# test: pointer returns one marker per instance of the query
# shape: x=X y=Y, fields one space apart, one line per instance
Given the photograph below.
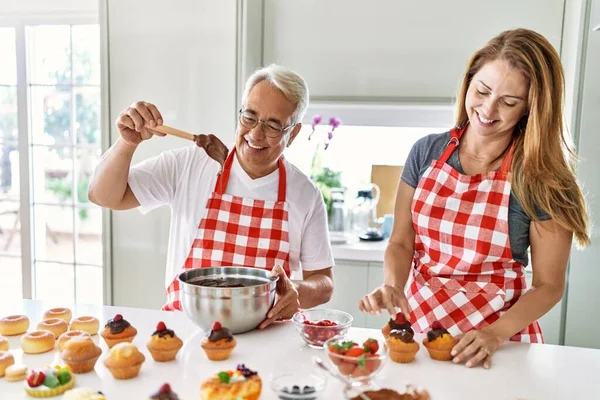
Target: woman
x=473 y=200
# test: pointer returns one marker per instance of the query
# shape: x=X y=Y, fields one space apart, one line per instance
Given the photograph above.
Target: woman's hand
x=475 y=347
x=384 y=297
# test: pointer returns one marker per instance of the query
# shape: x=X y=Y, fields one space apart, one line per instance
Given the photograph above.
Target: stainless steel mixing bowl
x=241 y=309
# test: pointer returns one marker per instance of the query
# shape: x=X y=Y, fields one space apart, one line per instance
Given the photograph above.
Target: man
x=277 y=197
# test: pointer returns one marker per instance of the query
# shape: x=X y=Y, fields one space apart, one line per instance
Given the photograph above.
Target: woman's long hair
x=543 y=164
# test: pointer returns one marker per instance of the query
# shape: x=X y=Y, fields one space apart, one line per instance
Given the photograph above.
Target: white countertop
x=520 y=371
x=358 y=250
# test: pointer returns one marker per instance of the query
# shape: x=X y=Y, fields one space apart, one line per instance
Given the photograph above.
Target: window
x=61 y=134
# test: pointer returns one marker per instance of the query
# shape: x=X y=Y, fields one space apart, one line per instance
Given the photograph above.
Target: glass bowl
x=298 y=385
x=315 y=326
x=347 y=355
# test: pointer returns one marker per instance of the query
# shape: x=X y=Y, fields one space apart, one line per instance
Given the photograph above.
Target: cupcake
x=439 y=342
x=49 y=382
x=84 y=393
x=218 y=343
x=118 y=330
x=164 y=343
x=242 y=383
x=124 y=361
x=397 y=323
x=164 y=393
x=402 y=345
x=80 y=354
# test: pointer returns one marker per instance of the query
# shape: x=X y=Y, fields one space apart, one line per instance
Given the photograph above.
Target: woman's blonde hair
x=543 y=164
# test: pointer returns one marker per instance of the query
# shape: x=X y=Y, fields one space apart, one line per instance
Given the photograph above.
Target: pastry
x=398 y=323
x=164 y=343
x=6 y=360
x=4 y=345
x=15 y=373
x=118 y=330
x=14 y=325
x=37 y=342
x=80 y=354
x=124 y=361
x=439 y=342
x=403 y=347
x=226 y=385
x=62 y=339
x=164 y=393
x=61 y=313
x=49 y=382
x=55 y=325
x=86 y=324
x=218 y=342
x=84 y=393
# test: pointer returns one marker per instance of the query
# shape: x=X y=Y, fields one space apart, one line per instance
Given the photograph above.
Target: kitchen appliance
x=241 y=309
x=364 y=211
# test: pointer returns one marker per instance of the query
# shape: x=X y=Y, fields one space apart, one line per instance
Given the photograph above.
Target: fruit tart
x=164 y=343
x=439 y=342
x=218 y=342
x=49 y=382
x=243 y=383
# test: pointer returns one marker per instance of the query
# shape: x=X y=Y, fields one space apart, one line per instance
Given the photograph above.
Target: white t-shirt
x=185 y=178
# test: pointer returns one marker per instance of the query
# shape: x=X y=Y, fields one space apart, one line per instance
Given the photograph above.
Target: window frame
x=26 y=204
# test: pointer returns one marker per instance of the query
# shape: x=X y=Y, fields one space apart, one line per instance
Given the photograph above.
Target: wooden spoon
x=167 y=130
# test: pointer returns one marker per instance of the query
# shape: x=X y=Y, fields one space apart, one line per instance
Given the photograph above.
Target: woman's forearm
x=536 y=302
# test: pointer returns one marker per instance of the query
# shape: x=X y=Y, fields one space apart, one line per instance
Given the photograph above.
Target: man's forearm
x=109 y=181
x=314 y=290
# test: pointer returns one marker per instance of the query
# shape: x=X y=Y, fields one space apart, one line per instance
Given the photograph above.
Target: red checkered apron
x=237 y=231
x=464 y=274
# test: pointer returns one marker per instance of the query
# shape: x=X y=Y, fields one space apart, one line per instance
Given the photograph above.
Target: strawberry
x=371 y=346
x=216 y=326
x=118 y=317
x=35 y=378
x=161 y=327
x=165 y=388
x=400 y=318
x=436 y=325
x=355 y=352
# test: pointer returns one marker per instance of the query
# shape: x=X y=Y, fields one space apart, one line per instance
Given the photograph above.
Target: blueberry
x=296 y=389
x=308 y=390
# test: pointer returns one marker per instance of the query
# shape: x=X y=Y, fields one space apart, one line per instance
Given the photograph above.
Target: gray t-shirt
x=431 y=148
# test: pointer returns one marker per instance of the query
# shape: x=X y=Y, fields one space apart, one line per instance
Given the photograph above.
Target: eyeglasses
x=271 y=129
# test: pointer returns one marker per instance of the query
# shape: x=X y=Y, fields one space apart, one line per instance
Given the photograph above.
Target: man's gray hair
x=290 y=83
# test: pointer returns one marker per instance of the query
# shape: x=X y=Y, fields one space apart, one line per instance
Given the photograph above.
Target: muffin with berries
x=439 y=342
x=398 y=323
x=218 y=342
x=118 y=330
x=164 y=344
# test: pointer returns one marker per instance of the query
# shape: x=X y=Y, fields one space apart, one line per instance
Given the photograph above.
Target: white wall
x=30 y=9
x=583 y=311
x=183 y=59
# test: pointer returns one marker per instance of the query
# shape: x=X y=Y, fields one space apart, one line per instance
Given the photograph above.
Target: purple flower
x=326 y=146
x=334 y=122
x=316 y=120
x=330 y=135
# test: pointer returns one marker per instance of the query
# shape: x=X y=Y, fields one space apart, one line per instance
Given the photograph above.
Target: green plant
x=63 y=189
x=326 y=180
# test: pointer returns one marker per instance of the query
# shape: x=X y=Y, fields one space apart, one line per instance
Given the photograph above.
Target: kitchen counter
x=520 y=371
x=358 y=250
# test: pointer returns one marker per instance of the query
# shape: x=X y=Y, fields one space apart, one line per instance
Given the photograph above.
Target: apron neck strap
x=223 y=177
x=456 y=134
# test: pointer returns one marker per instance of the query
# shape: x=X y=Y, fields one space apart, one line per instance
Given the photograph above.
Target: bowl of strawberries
x=358 y=359
x=317 y=325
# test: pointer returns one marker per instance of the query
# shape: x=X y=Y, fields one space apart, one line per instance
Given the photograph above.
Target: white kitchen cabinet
x=389 y=49
x=350 y=280
x=376 y=280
